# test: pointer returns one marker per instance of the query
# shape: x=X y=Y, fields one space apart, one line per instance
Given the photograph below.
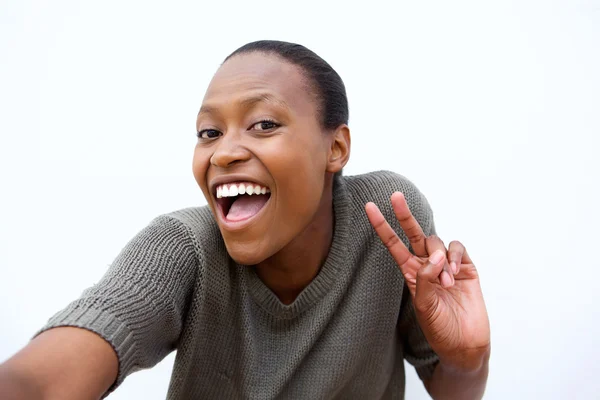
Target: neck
x=291 y=269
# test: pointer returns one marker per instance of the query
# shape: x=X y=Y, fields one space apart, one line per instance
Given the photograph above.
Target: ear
x=340 y=149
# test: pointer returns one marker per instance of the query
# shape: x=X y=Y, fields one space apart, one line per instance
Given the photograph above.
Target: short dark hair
x=329 y=87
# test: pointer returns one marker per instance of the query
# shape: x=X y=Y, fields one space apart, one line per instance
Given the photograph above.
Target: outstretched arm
x=61 y=363
x=137 y=310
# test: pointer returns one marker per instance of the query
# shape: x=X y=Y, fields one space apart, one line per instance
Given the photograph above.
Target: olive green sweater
x=174 y=287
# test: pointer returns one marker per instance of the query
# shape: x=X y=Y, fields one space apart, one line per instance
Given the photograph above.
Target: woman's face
x=258 y=127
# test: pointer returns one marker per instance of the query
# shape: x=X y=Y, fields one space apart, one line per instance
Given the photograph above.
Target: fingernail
x=453 y=266
x=436 y=257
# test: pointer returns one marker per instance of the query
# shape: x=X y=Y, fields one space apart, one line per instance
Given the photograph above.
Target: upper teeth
x=235 y=189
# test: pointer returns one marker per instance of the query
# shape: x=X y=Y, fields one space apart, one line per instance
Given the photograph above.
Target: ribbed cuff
x=106 y=326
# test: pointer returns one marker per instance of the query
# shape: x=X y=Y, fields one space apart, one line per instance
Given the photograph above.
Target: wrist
x=469 y=362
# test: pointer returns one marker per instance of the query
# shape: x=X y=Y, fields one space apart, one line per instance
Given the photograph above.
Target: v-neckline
x=329 y=272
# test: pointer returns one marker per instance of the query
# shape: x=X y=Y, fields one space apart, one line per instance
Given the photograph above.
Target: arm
x=448 y=303
x=450 y=383
x=132 y=318
x=62 y=363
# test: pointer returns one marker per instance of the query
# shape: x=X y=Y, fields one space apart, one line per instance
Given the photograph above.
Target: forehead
x=248 y=75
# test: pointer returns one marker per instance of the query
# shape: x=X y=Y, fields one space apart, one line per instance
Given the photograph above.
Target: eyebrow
x=249 y=102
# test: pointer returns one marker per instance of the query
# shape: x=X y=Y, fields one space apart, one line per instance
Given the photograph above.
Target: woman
x=279 y=288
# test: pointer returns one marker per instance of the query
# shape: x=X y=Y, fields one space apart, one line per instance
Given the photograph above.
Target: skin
x=443 y=282
x=448 y=301
x=60 y=364
x=233 y=141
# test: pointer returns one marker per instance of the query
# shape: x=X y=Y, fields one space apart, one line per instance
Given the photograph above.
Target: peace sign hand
x=444 y=285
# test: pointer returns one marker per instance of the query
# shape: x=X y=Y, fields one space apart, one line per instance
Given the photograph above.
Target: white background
x=491 y=108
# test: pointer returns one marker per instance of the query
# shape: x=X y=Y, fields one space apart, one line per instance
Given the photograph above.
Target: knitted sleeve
x=139 y=305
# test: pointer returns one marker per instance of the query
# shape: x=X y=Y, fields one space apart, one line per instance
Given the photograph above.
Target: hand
x=445 y=289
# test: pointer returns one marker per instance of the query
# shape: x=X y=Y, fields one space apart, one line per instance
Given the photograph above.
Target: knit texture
x=173 y=286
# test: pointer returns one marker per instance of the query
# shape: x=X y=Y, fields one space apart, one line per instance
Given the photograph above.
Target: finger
x=427 y=279
x=409 y=224
x=434 y=243
x=456 y=250
x=467 y=268
x=466 y=259
x=387 y=235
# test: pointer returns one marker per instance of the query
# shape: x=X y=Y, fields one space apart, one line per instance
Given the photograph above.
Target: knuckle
x=414 y=238
x=408 y=217
x=414 y=233
x=434 y=239
x=391 y=241
x=377 y=225
x=426 y=306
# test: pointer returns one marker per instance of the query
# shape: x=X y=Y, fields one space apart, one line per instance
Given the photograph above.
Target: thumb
x=428 y=277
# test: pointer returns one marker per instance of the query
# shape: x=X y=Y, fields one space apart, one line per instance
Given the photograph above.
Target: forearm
x=17 y=385
x=61 y=363
x=450 y=383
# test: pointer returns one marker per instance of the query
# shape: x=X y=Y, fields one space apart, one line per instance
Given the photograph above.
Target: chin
x=245 y=256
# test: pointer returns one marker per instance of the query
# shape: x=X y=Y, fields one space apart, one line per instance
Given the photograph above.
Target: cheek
x=302 y=153
x=300 y=179
x=200 y=163
x=310 y=158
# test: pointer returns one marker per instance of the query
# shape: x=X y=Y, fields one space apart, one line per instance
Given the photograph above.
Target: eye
x=265 y=125
x=208 y=134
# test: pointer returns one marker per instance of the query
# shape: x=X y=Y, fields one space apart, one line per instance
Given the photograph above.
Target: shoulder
x=380 y=183
x=378 y=186
x=198 y=225
x=195 y=218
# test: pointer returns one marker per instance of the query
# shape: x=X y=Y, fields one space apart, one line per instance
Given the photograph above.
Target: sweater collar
x=321 y=284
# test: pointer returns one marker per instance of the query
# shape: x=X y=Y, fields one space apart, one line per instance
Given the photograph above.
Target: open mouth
x=241 y=201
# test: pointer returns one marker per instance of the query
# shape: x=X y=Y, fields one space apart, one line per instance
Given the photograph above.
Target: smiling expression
x=258 y=127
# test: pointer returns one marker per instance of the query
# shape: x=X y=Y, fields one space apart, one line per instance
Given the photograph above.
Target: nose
x=229 y=151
